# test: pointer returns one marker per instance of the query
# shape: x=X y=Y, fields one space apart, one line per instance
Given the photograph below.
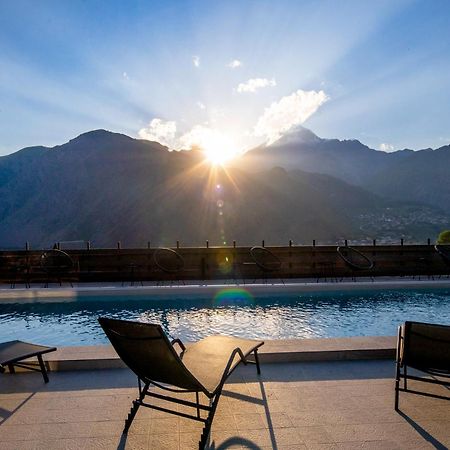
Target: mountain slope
x=105 y=187
x=418 y=176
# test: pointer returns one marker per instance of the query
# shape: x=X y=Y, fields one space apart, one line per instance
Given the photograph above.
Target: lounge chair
x=57 y=266
x=170 y=262
x=355 y=260
x=202 y=367
x=267 y=262
x=13 y=354
x=424 y=347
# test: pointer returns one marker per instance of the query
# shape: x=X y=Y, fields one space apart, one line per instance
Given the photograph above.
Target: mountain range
x=418 y=176
x=107 y=187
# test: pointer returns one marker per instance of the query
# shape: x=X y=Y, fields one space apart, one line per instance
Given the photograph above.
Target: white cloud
x=253 y=84
x=386 y=147
x=201 y=105
x=160 y=131
x=280 y=117
x=235 y=64
x=196 y=60
x=195 y=137
x=125 y=75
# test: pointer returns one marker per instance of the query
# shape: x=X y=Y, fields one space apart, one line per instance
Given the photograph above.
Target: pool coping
x=96 y=357
x=70 y=294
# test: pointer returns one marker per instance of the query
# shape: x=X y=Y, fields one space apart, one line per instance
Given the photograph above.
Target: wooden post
x=148 y=244
x=314 y=242
x=263 y=243
x=88 y=245
x=207 y=244
x=290 y=242
x=374 y=242
x=178 y=244
x=429 y=241
x=401 y=242
x=346 y=243
x=234 y=244
x=27 y=246
x=118 y=245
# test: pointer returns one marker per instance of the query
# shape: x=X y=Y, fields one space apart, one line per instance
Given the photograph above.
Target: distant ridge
x=421 y=176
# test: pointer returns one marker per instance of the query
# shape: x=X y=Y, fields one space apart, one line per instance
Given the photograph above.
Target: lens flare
x=233 y=296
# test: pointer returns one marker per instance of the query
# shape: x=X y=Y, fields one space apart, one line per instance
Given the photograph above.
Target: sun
x=218 y=147
x=219 y=150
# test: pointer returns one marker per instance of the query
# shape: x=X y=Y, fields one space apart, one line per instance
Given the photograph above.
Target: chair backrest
x=168 y=260
x=265 y=259
x=354 y=258
x=146 y=350
x=56 y=259
x=427 y=346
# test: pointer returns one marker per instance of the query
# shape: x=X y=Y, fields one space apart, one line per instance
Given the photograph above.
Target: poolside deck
x=308 y=405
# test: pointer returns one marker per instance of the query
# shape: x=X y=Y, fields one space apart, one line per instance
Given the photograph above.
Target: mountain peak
x=297 y=136
x=97 y=135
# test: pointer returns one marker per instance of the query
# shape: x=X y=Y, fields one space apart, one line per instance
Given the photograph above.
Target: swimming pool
x=270 y=315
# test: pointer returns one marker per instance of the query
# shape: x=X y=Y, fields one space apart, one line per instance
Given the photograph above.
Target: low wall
x=234 y=263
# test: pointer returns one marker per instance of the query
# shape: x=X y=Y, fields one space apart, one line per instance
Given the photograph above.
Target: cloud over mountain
x=292 y=110
x=159 y=130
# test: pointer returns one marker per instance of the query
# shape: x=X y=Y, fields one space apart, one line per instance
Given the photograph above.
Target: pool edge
x=98 y=357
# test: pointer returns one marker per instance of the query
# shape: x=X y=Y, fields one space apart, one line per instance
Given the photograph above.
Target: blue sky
x=242 y=72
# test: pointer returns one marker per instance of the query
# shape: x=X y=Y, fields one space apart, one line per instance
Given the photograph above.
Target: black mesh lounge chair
x=57 y=265
x=15 y=270
x=202 y=367
x=424 y=347
x=355 y=260
x=268 y=263
x=13 y=354
x=169 y=261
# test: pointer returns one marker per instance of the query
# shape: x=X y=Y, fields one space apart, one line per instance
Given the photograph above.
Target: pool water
x=234 y=312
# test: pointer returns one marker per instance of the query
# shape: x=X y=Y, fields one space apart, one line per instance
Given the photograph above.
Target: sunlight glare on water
x=232 y=311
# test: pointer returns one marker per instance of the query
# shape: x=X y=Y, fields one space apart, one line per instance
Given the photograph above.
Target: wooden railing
x=230 y=263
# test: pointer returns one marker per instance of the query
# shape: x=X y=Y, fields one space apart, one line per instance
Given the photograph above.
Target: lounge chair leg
x=397 y=385
x=207 y=428
x=258 y=369
x=43 y=369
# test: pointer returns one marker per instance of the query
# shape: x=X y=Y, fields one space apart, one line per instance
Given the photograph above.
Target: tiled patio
x=315 y=405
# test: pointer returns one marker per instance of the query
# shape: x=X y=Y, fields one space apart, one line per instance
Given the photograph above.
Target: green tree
x=444 y=237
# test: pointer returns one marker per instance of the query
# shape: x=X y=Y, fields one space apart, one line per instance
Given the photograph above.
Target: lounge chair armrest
x=400 y=344
x=238 y=351
x=178 y=341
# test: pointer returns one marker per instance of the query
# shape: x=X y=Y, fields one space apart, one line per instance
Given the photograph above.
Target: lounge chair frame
x=402 y=371
x=59 y=271
x=29 y=352
x=144 y=385
x=170 y=270
x=354 y=267
x=266 y=269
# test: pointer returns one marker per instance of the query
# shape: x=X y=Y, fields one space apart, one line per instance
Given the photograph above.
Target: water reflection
x=237 y=313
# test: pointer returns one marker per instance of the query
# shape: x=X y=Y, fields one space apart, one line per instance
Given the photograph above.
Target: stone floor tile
x=252 y=421
x=164 y=425
x=299 y=435
x=165 y=442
